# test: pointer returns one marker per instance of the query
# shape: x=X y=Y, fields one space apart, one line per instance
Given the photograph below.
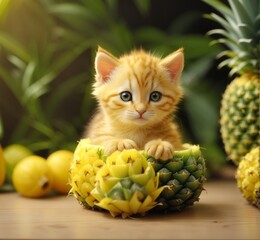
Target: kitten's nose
x=141 y=112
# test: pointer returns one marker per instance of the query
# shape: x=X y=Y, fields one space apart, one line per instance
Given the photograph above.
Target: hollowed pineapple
x=131 y=182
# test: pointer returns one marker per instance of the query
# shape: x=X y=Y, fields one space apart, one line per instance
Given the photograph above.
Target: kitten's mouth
x=140 y=119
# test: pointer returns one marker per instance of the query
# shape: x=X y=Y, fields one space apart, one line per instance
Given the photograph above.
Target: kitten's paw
x=119 y=144
x=159 y=149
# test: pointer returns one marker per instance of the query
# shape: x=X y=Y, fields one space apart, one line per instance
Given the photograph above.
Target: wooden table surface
x=222 y=213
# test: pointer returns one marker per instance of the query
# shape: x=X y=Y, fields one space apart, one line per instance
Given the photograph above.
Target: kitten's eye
x=126 y=96
x=155 y=96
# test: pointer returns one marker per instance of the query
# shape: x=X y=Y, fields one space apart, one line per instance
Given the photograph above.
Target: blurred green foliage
x=47 y=49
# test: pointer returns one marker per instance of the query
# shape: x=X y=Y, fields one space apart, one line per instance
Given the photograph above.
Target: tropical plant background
x=47 y=49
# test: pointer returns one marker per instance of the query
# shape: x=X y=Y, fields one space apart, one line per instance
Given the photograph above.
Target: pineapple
x=248 y=177
x=127 y=184
x=131 y=182
x=239 y=114
x=184 y=176
x=87 y=161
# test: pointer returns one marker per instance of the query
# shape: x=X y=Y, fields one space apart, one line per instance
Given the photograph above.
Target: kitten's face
x=138 y=91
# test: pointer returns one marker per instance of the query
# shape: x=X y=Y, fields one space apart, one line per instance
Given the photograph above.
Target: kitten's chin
x=138 y=121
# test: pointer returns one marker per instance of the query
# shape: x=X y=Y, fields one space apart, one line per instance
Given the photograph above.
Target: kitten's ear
x=105 y=63
x=174 y=63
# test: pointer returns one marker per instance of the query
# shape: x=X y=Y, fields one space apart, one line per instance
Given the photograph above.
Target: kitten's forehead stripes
x=138 y=80
x=130 y=82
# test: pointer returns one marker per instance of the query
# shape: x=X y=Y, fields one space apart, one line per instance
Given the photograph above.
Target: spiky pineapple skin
x=184 y=178
x=87 y=161
x=239 y=116
x=248 y=177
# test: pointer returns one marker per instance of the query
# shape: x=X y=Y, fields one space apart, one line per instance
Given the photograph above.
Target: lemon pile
x=34 y=176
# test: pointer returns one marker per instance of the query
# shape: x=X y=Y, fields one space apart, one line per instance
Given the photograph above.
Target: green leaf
x=240 y=13
x=221 y=7
x=150 y=34
x=70 y=9
x=216 y=156
x=73 y=14
x=21 y=129
x=14 y=46
x=196 y=71
x=43 y=129
x=252 y=7
x=4 y=4
x=247 y=31
x=257 y=22
x=97 y=8
x=65 y=90
x=28 y=75
x=229 y=43
x=38 y=88
x=112 y=6
x=17 y=62
x=183 y=23
x=223 y=33
x=69 y=56
x=225 y=24
x=237 y=68
x=119 y=39
x=202 y=116
x=40 y=145
x=71 y=36
x=224 y=63
x=10 y=83
x=143 y=6
x=194 y=45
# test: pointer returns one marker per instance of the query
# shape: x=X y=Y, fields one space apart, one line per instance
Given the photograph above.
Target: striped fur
x=139 y=123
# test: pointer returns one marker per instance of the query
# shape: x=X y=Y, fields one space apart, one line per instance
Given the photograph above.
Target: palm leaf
x=69 y=56
x=38 y=88
x=14 y=46
x=10 y=83
x=97 y=8
x=67 y=89
x=28 y=75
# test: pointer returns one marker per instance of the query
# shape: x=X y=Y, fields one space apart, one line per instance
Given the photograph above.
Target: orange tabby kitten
x=137 y=95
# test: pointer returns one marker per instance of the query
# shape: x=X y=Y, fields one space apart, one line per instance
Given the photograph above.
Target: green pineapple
x=240 y=34
x=131 y=182
x=184 y=176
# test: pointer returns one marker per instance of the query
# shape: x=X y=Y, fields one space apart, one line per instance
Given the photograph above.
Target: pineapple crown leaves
x=240 y=33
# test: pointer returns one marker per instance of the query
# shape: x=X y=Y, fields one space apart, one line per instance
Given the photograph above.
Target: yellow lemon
x=2 y=167
x=32 y=177
x=12 y=155
x=59 y=162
